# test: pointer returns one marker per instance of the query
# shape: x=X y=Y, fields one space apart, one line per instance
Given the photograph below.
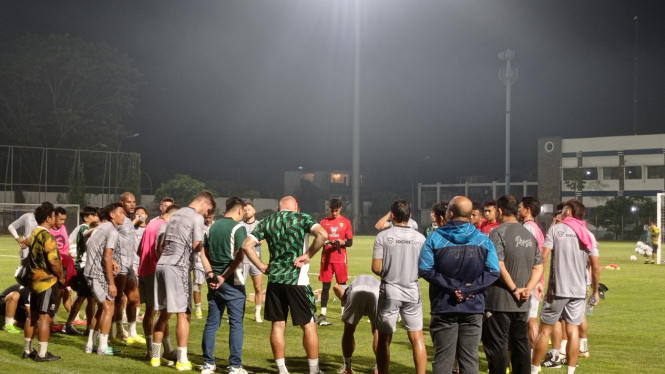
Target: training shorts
x=80 y=285
x=147 y=289
x=571 y=310
x=199 y=276
x=250 y=269
x=533 y=306
x=387 y=311
x=284 y=298
x=45 y=302
x=173 y=289
x=328 y=268
x=360 y=302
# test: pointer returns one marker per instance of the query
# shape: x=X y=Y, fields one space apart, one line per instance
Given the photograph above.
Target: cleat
x=71 y=331
x=344 y=370
x=199 y=315
x=56 y=328
x=564 y=361
x=155 y=362
x=585 y=354
x=551 y=363
x=171 y=356
x=109 y=351
x=320 y=318
x=238 y=370
x=208 y=368
x=48 y=357
x=138 y=339
x=258 y=318
x=89 y=349
x=80 y=322
x=11 y=329
x=30 y=355
x=183 y=366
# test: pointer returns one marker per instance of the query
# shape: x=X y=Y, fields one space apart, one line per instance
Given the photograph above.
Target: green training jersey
x=430 y=229
x=80 y=247
x=223 y=240
x=286 y=233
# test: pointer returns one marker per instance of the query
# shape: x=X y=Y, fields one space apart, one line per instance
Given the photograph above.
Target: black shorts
x=45 y=302
x=280 y=298
x=20 y=315
x=80 y=285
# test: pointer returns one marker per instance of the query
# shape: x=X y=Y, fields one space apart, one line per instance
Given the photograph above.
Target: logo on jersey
x=341 y=224
x=334 y=230
x=561 y=234
x=519 y=242
x=390 y=240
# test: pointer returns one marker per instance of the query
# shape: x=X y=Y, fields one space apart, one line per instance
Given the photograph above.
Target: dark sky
x=243 y=90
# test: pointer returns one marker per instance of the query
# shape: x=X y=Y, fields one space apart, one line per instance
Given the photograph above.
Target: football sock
x=571 y=369
x=132 y=329
x=167 y=344
x=281 y=366
x=103 y=342
x=9 y=321
x=347 y=363
x=534 y=369
x=323 y=311
x=43 y=348
x=564 y=345
x=27 y=346
x=156 y=350
x=198 y=307
x=182 y=355
x=313 y=365
x=555 y=354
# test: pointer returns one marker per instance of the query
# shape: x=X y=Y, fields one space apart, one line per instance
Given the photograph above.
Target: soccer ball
x=633 y=258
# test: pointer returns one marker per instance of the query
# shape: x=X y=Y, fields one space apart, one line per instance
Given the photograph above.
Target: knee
x=14 y=296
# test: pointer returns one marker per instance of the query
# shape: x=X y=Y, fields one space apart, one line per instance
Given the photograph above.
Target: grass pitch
x=625 y=333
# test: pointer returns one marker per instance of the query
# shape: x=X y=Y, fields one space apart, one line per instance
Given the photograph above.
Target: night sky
x=244 y=90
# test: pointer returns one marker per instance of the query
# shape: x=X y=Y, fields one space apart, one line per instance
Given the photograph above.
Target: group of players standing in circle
x=485 y=276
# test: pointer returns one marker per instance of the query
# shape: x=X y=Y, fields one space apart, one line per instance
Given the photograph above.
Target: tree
x=621 y=211
x=76 y=194
x=63 y=92
x=575 y=179
x=182 y=188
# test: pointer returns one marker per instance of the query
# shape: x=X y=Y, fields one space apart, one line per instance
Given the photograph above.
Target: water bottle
x=589 y=307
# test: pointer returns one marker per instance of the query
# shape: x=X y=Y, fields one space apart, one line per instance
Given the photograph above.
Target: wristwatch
x=513 y=291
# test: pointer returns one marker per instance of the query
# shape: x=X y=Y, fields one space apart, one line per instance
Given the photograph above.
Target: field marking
x=8 y=256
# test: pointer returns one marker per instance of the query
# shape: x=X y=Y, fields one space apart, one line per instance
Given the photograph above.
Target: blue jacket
x=458 y=257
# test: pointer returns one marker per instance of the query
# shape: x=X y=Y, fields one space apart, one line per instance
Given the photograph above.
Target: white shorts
x=360 y=302
x=571 y=310
x=173 y=289
x=199 y=276
x=386 y=319
x=99 y=289
x=533 y=306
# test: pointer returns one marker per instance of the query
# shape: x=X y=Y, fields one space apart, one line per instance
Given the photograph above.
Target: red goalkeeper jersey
x=338 y=229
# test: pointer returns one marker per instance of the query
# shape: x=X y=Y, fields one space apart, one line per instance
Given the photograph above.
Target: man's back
x=184 y=227
x=148 y=257
x=224 y=239
x=568 y=269
x=286 y=233
x=104 y=236
x=43 y=249
x=399 y=248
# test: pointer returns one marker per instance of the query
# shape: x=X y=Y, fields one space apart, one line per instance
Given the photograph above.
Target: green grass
x=625 y=330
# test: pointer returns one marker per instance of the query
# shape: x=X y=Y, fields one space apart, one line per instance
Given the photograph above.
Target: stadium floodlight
x=508 y=76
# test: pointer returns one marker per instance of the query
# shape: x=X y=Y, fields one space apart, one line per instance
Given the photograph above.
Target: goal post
x=660 y=210
x=10 y=212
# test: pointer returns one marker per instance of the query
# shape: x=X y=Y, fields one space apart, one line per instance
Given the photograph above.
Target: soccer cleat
x=208 y=368
x=30 y=355
x=257 y=318
x=138 y=339
x=47 y=357
x=56 y=328
x=11 y=329
x=551 y=363
x=344 y=370
x=199 y=315
x=238 y=370
x=109 y=351
x=171 y=356
x=155 y=362
x=80 y=322
x=564 y=361
x=585 y=354
x=186 y=366
x=320 y=318
x=71 y=331
x=89 y=349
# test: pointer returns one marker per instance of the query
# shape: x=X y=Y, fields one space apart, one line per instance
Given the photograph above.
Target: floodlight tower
x=355 y=164
x=508 y=76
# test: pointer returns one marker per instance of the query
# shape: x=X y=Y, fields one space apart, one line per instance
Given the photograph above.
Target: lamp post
x=413 y=175
x=508 y=76
x=355 y=140
x=117 y=158
x=149 y=180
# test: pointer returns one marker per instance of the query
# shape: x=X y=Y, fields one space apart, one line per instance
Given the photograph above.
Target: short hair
x=167 y=200
x=172 y=208
x=88 y=211
x=490 y=202
x=60 y=210
x=335 y=203
x=559 y=206
x=205 y=194
x=401 y=210
x=578 y=210
x=109 y=208
x=43 y=212
x=508 y=205
x=532 y=203
x=249 y=203
x=232 y=202
x=439 y=209
x=477 y=206
x=140 y=207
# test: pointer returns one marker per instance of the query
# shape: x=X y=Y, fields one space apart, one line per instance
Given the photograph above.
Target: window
x=612 y=173
x=307 y=177
x=633 y=172
x=339 y=178
x=656 y=172
x=589 y=174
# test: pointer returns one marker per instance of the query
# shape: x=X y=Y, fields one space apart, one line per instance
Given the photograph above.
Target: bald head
x=128 y=202
x=126 y=196
x=460 y=208
x=288 y=203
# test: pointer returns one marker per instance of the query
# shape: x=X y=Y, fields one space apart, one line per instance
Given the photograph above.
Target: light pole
x=413 y=175
x=508 y=76
x=149 y=180
x=117 y=158
x=355 y=142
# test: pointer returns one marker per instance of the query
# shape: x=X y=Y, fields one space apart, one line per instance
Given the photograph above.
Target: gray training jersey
x=412 y=224
x=104 y=236
x=399 y=248
x=197 y=264
x=568 y=267
x=126 y=243
x=183 y=228
x=28 y=223
x=257 y=248
x=517 y=248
